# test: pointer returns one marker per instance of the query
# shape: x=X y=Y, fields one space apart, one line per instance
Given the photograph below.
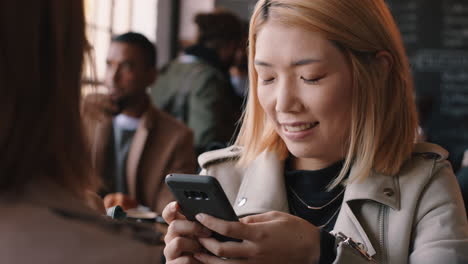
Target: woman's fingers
x=181 y=238
x=185 y=228
x=208 y=259
x=123 y=200
x=265 y=217
x=109 y=200
x=180 y=246
x=171 y=213
x=227 y=228
x=184 y=260
x=227 y=249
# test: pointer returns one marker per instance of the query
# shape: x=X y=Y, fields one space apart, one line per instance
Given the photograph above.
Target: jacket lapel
x=100 y=143
x=136 y=150
x=262 y=188
x=348 y=224
x=377 y=188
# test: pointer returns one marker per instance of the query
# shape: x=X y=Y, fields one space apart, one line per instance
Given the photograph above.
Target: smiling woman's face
x=304 y=86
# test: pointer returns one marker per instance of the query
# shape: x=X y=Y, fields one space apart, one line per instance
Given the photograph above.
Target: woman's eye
x=311 y=81
x=267 y=81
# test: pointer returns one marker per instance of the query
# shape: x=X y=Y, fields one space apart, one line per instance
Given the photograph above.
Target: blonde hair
x=383 y=114
x=41 y=60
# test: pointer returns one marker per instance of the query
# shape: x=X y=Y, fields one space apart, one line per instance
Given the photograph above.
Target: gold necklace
x=329 y=219
x=333 y=216
x=314 y=207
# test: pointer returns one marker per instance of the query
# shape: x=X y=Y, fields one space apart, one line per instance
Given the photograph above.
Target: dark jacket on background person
x=161 y=145
x=196 y=89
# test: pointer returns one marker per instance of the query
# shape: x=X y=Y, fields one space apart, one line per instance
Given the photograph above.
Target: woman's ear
x=385 y=61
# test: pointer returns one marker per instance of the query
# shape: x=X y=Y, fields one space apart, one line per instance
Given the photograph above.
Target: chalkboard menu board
x=435 y=33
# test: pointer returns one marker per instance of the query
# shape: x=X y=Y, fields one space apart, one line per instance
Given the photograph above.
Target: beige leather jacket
x=417 y=216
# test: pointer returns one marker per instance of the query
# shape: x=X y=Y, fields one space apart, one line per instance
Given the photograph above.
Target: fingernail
x=199 y=217
x=174 y=207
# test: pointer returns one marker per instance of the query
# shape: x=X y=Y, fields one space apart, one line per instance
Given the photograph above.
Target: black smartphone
x=201 y=194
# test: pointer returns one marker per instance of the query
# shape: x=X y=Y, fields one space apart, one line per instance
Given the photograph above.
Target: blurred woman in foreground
x=45 y=170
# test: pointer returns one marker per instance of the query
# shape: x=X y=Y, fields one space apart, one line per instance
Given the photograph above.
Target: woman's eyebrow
x=304 y=62
x=262 y=63
x=293 y=64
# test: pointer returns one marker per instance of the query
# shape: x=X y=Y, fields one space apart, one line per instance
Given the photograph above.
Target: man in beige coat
x=133 y=144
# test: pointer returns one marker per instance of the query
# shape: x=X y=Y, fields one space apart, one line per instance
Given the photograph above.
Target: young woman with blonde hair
x=325 y=169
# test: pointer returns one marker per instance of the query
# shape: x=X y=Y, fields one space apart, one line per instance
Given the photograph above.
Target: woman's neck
x=312 y=163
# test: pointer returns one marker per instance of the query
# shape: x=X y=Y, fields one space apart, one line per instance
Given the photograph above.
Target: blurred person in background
x=196 y=88
x=46 y=177
x=134 y=145
x=239 y=69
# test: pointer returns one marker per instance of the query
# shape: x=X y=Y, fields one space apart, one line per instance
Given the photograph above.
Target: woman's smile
x=298 y=130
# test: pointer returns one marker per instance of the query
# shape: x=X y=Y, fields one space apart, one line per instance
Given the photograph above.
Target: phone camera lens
x=195 y=195
x=204 y=196
x=188 y=195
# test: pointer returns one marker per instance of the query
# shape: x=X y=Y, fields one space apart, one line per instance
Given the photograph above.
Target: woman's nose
x=287 y=99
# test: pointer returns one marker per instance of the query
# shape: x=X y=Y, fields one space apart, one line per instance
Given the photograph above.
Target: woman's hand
x=182 y=236
x=95 y=202
x=272 y=237
x=123 y=200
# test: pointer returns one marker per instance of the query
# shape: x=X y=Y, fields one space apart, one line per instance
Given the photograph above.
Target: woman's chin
x=301 y=151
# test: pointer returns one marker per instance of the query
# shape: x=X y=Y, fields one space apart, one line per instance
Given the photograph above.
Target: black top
x=307 y=189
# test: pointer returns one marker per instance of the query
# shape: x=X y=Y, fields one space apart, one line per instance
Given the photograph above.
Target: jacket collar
x=138 y=145
x=101 y=139
x=385 y=189
x=266 y=173
x=255 y=194
x=377 y=187
x=147 y=119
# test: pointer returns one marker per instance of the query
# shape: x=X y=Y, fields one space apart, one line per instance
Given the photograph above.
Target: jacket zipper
x=383 y=214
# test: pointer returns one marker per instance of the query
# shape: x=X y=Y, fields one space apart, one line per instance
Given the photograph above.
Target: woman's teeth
x=299 y=127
